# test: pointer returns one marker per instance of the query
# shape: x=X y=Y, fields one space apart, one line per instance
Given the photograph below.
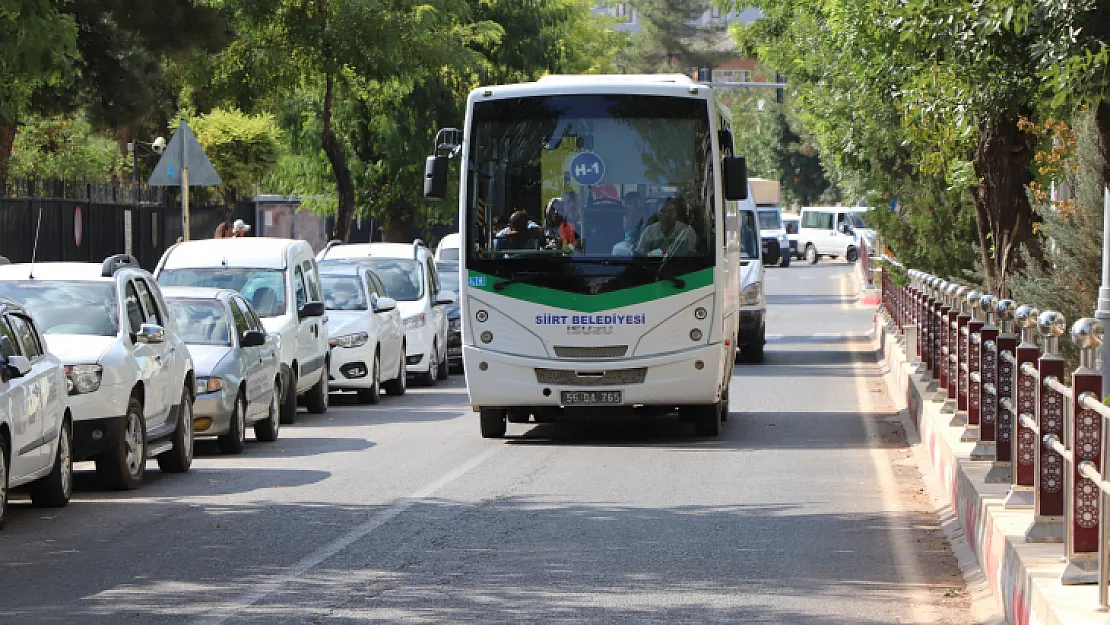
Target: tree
x=37 y=44
x=243 y=148
x=63 y=148
x=670 y=39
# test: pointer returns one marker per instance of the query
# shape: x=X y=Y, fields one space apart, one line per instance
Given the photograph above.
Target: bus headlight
x=700 y=313
x=749 y=295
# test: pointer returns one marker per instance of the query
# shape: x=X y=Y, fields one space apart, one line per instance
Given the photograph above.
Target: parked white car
x=236 y=364
x=830 y=231
x=36 y=428
x=409 y=275
x=129 y=376
x=367 y=334
x=752 y=335
x=280 y=279
x=448 y=249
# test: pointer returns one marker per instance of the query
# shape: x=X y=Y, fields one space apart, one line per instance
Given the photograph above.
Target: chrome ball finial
x=1005 y=308
x=987 y=304
x=1087 y=333
x=1026 y=316
x=973 y=298
x=1051 y=324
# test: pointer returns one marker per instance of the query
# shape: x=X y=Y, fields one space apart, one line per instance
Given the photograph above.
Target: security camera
x=159 y=145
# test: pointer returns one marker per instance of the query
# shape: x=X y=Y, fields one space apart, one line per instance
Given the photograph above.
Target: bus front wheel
x=493 y=422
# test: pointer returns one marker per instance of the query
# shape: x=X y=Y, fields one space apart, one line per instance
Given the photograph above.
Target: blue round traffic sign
x=587 y=168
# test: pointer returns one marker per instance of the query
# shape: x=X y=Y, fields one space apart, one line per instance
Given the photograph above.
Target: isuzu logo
x=589 y=330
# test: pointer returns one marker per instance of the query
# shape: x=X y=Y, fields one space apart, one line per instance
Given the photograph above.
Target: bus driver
x=668 y=236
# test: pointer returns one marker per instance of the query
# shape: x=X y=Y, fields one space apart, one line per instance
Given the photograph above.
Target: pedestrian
x=240 y=228
x=223 y=231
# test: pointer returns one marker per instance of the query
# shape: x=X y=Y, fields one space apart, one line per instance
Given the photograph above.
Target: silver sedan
x=236 y=363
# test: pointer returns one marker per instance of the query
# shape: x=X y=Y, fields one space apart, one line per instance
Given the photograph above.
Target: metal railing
x=1046 y=439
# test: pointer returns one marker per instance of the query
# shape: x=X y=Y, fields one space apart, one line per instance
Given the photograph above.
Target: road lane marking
x=261 y=590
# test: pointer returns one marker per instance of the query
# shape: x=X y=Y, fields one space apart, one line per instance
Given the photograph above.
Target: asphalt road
x=402 y=513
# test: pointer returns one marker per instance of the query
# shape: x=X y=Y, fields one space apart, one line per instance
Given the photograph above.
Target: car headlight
x=83 y=378
x=783 y=239
x=415 y=322
x=358 y=339
x=749 y=295
x=209 y=385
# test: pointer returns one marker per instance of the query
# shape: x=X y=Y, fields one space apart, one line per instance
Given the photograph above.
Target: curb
x=1023 y=578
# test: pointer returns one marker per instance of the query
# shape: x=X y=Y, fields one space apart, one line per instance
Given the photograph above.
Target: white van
x=830 y=231
x=752 y=334
x=448 y=249
x=280 y=279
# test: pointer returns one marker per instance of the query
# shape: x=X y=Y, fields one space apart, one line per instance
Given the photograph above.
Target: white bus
x=599 y=219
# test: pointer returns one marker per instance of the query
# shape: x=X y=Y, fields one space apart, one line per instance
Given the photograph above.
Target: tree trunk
x=1005 y=217
x=338 y=159
x=8 y=130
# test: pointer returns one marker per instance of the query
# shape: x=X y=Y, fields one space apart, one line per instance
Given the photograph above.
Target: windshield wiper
x=518 y=278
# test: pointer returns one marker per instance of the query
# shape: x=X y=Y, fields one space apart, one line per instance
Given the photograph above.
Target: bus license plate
x=591 y=398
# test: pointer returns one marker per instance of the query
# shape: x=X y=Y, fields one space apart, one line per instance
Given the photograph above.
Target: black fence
x=88 y=222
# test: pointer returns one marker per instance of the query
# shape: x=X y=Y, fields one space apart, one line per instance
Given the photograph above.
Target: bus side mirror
x=435 y=178
x=736 y=178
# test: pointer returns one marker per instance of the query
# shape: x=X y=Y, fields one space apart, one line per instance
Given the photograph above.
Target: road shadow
x=512 y=559
x=284 y=447
x=797 y=299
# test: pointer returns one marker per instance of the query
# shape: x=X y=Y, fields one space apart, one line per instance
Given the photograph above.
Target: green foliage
x=63 y=148
x=37 y=42
x=669 y=41
x=243 y=148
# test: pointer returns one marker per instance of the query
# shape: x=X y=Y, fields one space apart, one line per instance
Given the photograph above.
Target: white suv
x=129 y=375
x=36 y=429
x=409 y=275
x=280 y=279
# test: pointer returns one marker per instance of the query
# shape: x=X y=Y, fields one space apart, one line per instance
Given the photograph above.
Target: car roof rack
x=115 y=262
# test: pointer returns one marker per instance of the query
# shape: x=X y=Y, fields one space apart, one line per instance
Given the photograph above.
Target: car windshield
x=449 y=277
x=343 y=292
x=749 y=240
x=264 y=288
x=769 y=220
x=88 y=308
x=589 y=190
x=403 y=279
x=200 y=321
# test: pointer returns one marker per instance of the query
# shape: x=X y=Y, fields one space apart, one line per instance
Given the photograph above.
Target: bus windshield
x=590 y=186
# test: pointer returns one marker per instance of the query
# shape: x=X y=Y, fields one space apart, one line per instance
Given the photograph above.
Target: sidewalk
x=1023 y=578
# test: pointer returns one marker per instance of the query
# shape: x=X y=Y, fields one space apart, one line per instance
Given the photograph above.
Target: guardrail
x=1047 y=439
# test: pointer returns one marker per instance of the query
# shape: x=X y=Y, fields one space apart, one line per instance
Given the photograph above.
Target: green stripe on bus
x=590 y=303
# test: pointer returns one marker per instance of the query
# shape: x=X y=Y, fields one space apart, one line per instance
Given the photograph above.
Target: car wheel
x=317 y=400
x=430 y=377
x=122 y=467
x=289 y=406
x=54 y=490
x=707 y=419
x=373 y=394
x=398 y=385
x=267 y=429
x=811 y=254
x=724 y=406
x=754 y=353
x=236 y=438
x=443 y=372
x=852 y=255
x=180 y=457
x=4 y=464
x=493 y=422
x=785 y=260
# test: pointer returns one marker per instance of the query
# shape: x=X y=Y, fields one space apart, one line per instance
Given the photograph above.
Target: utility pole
x=1102 y=313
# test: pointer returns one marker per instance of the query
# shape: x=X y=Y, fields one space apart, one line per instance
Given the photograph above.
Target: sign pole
x=185 y=191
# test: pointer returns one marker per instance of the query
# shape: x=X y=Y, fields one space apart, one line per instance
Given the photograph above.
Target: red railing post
x=1025 y=403
x=1048 y=502
x=1005 y=345
x=944 y=328
x=960 y=337
x=969 y=364
x=1085 y=442
x=984 y=392
x=952 y=360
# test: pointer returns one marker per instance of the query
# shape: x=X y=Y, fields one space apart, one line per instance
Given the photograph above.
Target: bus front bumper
x=497 y=380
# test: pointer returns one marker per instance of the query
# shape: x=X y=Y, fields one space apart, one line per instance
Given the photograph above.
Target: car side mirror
x=445 y=297
x=252 y=338
x=736 y=178
x=846 y=228
x=384 y=304
x=311 y=309
x=13 y=367
x=150 y=333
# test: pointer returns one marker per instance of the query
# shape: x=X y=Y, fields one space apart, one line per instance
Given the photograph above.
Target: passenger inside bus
x=668 y=236
x=522 y=234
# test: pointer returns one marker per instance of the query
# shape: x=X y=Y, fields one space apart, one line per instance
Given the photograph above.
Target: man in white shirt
x=668 y=236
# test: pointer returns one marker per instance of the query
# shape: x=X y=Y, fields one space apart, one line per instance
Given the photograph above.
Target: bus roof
x=561 y=84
